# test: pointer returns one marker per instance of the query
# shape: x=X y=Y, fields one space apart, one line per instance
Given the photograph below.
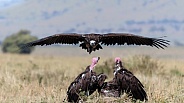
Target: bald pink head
x=94 y=62
x=117 y=59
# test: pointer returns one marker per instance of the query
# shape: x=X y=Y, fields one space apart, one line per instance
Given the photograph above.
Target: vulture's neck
x=92 y=66
x=120 y=64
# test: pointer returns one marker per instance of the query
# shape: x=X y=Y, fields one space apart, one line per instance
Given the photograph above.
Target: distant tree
x=12 y=43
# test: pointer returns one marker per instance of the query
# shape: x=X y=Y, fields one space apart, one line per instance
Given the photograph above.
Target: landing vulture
x=86 y=82
x=93 y=42
x=128 y=82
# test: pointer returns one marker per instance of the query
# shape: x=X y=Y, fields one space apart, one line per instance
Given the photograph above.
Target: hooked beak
x=98 y=59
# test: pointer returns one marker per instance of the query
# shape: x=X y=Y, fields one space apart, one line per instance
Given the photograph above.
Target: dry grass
x=45 y=75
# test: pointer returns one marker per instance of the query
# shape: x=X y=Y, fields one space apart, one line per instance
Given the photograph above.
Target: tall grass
x=34 y=78
x=160 y=85
x=142 y=64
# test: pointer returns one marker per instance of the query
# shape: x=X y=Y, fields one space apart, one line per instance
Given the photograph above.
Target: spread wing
x=71 y=38
x=131 y=39
x=131 y=85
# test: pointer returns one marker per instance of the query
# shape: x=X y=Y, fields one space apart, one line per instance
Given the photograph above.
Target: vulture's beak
x=98 y=58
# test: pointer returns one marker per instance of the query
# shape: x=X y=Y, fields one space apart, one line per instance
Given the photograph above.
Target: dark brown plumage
x=88 y=85
x=80 y=84
x=123 y=82
x=87 y=82
x=110 y=89
x=128 y=82
x=91 y=42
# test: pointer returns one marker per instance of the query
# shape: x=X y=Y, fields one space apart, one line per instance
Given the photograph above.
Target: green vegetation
x=176 y=72
x=143 y=64
x=106 y=68
x=12 y=43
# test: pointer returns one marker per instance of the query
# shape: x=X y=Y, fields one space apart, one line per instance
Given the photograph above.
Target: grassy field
x=45 y=75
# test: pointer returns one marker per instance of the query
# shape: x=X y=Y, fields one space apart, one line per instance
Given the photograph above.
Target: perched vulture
x=86 y=82
x=123 y=82
x=92 y=42
x=128 y=82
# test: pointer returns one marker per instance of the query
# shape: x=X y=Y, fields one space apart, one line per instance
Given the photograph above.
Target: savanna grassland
x=45 y=75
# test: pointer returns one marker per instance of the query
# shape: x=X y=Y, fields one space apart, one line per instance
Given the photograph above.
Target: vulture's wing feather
x=101 y=79
x=137 y=89
x=73 y=92
x=131 y=85
x=75 y=88
x=71 y=38
x=131 y=39
x=81 y=83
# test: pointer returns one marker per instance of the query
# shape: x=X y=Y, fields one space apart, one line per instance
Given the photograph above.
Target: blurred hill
x=153 y=18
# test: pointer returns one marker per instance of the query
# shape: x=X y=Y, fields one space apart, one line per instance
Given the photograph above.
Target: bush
x=176 y=72
x=12 y=43
x=106 y=68
x=143 y=64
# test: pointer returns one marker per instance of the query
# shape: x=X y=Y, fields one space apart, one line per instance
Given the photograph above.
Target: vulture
x=86 y=82
x=92 y=42
x=128 y=82
x=123 y=82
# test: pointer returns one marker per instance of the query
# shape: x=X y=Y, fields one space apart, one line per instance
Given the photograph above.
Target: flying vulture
x=128 y=82
x=86 y=82
x=92 y=42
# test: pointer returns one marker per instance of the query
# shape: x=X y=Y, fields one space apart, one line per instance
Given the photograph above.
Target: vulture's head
x=117 y=60
x=118 y=63
x=94 y=62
